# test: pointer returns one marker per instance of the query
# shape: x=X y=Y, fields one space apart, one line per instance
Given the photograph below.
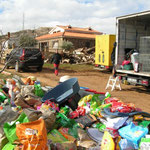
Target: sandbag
x=49 y=117
x=32 y=100
x=32 y=114
x=19 y=101
x=84 y=140
x=32 y=135
x=27 y=100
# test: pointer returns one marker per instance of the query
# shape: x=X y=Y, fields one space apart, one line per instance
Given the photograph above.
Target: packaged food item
x=144 y=144
x=65 y=110
x=133 y=133
x=138 y=117
x=68 y=145
x=125 y=144
x=65 y=133
x=107 y=142
x=80 y=111
x=84 y=100
x=86 y=120
x=32 y=135
x=145 y=123
x=56 y=137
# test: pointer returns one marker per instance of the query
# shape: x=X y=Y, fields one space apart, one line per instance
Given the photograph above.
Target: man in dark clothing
x=56 y=58
x=113 y=53
x=113 y=59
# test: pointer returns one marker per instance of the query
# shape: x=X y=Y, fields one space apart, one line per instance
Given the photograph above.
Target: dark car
x=24 y=58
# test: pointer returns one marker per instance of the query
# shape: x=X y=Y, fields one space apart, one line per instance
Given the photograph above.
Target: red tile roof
x=77 y=29
x=72 y=32
x=79 y=35
x=49 y=36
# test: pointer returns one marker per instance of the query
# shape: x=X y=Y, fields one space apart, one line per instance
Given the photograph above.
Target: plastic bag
x=107 y=142
x=62 y=120
x=68 y=145
x=2 y=96
x=8 y=146
x=10 y=128
x=126 y=145
x=145 y=144
x=65 y=110
x=84 y=100
x=84 y=140
x=32 y=135
x=133 y=133
x=144 y=123
x=95 y=101
x=64 y=132
x=56 y=137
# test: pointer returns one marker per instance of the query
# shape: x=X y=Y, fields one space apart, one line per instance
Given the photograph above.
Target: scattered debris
x=71 y=118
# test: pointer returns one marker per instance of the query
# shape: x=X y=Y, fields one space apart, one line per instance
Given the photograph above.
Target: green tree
x=67 y=45
x=27 y=41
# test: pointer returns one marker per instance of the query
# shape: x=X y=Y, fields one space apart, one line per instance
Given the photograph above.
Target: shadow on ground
x=139 y=89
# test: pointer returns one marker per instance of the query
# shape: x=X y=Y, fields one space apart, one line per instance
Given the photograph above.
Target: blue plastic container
x=64 y=92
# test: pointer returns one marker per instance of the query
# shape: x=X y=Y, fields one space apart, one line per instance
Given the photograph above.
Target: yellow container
x=103 y=49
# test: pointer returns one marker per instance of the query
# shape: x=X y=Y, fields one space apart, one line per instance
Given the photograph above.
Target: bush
x=27 y=41
x=67 y=45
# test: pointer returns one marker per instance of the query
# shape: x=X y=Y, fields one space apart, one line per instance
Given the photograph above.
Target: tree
x=27 y=41
x=67 y=45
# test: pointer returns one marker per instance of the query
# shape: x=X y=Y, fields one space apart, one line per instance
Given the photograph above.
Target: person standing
x=56 y=58
x=113 y=59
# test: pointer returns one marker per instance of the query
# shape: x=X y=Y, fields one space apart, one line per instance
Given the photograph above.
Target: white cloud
x=99 y=14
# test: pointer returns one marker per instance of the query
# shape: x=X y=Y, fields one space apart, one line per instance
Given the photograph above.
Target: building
x=80 y=37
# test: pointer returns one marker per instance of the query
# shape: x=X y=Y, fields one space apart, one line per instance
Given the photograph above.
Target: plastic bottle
x=2 y=96
x=38 y=90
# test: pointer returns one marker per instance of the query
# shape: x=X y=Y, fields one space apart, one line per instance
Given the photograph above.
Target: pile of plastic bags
x=28 y=121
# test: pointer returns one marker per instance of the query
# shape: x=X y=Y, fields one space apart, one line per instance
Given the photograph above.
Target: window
x=55 y=44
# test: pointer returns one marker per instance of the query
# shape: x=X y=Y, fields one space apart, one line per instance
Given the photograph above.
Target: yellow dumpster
x=103 y=50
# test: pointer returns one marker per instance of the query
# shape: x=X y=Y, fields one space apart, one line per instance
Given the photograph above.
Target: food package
x=133 y=133
x=32 y=135
x=107 y=142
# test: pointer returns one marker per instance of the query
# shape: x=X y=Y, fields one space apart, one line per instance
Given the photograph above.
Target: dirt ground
x=96 y=80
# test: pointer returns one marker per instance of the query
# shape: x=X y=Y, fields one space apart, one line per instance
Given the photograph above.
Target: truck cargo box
x=133 y=34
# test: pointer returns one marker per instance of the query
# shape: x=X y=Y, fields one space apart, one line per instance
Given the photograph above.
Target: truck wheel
x=7 y=67
x=39 y=68
x=17 y=66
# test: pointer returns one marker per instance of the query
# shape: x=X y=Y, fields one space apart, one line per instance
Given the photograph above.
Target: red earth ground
x=96 y=80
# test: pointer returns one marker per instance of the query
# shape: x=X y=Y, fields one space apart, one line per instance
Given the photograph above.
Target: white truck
x=133 y=33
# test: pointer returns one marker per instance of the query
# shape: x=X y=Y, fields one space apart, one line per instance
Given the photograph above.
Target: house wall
x=48 y=45
x=79 y=43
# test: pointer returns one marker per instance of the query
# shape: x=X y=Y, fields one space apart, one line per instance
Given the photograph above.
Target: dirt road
x=96 y=80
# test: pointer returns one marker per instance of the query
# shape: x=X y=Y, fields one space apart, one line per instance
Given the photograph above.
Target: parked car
x=25 y=58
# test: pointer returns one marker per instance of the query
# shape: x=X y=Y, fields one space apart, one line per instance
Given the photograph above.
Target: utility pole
x=23 y=22
x=1 y=32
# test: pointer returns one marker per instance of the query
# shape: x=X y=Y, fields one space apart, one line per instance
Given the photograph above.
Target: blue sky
x=98 y=14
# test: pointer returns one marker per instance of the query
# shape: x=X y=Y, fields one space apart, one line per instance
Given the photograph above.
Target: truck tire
x=7 y=67
x=39 y=68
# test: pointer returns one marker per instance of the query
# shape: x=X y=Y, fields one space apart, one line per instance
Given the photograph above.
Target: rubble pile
x=36 y=117
x=79 y=56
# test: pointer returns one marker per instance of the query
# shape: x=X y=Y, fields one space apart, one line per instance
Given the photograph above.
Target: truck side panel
x=130 y=29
